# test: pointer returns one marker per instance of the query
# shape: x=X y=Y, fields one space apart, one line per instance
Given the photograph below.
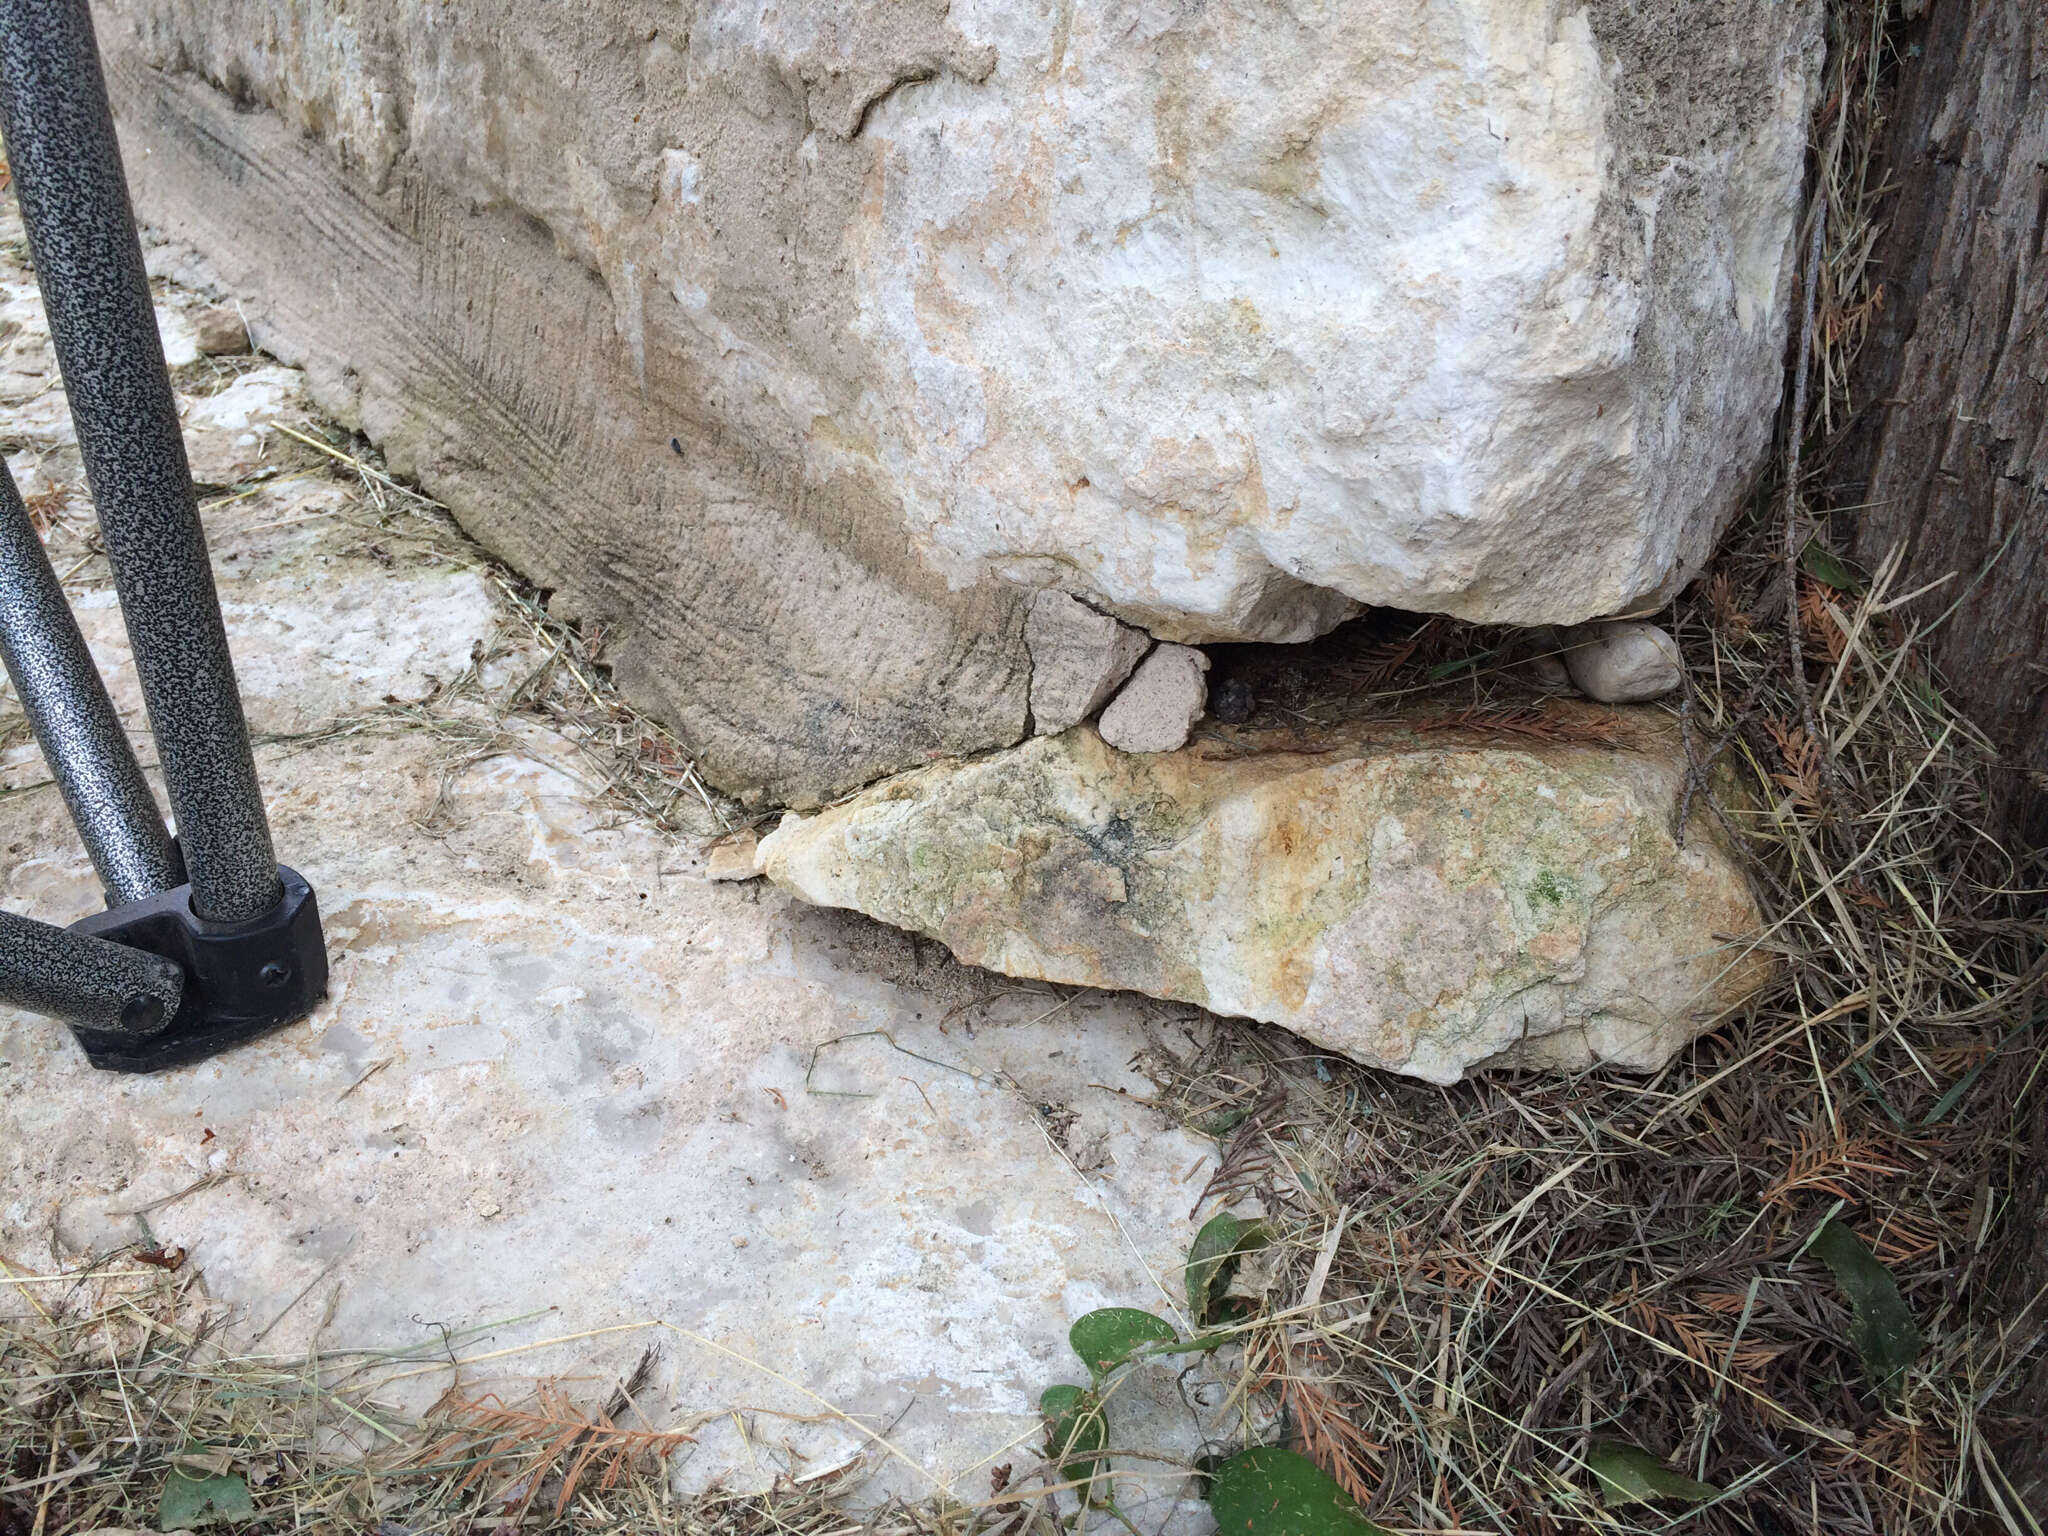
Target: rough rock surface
x=1078 y=659
x=731 y=857
x=563 y=1085
x=220 y=332
x=1623 y=662
x=1161 y=702
x=1416 y=902
x=1227 y=317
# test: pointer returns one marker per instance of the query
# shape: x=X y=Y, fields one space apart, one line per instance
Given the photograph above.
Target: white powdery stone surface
x=1248 y=315
x=566 y=1087
x=563 y=1078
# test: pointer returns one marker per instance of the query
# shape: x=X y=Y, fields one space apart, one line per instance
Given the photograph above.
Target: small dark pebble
x=1233 y=703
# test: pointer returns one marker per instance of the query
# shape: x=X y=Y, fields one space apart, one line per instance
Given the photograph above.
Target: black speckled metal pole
x=81 y=236
x=86 y=981
x=74 y=720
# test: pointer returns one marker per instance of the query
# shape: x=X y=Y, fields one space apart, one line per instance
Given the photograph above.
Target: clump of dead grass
x=119 y=1380
x=1471 y=1285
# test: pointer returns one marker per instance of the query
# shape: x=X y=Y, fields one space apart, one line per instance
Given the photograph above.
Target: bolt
x=275 y=974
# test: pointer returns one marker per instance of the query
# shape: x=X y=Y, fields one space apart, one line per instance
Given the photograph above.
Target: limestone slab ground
x=1429 y=902
x=564 y=1085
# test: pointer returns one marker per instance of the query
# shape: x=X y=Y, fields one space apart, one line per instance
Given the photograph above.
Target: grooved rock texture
x=1228 y=318
x=1417 y=902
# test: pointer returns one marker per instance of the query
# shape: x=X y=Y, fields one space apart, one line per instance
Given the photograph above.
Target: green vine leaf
x=1630 y=1475
x=1267 y=1491
x=189 y=1501
x=1212 y=1263
x=1108 y=1336
x=1824 y=565
x=1880 y=1326
x=1075 y=1434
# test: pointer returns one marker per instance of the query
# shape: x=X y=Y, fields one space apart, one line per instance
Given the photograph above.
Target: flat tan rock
x=1428 y=903
x=220 y=332
x=731 y=857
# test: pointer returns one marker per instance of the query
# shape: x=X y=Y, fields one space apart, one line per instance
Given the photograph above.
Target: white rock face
x=1228 y=317
x=1161 y=702
x=1623 y=662
x=1078 y=657
x=1246 y=317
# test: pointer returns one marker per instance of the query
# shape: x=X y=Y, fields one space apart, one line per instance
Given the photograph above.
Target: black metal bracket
x=206 y=941
x=241 y=979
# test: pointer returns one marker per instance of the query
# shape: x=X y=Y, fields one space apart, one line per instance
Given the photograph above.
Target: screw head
x=275 y=974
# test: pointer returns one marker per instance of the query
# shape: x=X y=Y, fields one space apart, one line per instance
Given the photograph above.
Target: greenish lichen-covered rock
x=1429 y=902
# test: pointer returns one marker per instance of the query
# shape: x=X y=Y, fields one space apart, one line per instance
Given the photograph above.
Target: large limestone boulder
x=784 y=339
x=1423 y=902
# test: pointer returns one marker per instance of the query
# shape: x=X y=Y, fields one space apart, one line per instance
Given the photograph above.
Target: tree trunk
x=1952 y=448
x=1952 y=452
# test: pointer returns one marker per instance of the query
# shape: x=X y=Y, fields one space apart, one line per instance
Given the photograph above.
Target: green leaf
x=1629 y=1475
x=1824 y=565
x=1075 y=1433
x=1267 y=1491
x=1108 y=1336
x=1225 y=1123
x=1221 y=1125
x=1212 y=1263
x=1880 y=1327
x=190 y=1501
x=1961 y=1086
x=1449 y=669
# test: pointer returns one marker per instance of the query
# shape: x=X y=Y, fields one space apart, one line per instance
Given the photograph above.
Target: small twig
x=374 y=1068
x=1795 y=437
x=168 y=1200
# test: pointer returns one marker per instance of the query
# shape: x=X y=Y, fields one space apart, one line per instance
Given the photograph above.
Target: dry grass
x=1473 y=1283
x=118 y=1380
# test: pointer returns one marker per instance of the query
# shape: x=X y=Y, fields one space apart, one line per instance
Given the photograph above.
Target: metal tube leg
x=74 y=720
x=81 y=235
x=85 y=981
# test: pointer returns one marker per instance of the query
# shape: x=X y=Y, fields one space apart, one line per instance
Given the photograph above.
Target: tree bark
x=1952 y=446
x=1951 y=452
